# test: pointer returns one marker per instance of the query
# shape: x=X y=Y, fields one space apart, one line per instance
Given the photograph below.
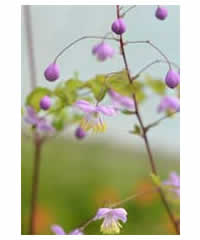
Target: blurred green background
x=77 y=177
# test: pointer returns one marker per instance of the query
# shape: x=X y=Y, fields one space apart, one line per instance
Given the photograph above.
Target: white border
x=10 y=119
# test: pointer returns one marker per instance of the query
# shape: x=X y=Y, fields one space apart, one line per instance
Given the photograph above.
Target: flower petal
x=120 y=213
x=102 y=212
x=106 y=110
x=58 y=230
x=85 y=106
x=76 y=232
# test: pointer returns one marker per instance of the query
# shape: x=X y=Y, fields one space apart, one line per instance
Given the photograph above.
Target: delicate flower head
x=40 y=123
x=103 y=51
x=119 y=100
x=80 y=133
x=52 y=72
x=169 y=103
x=92 y=119
x=45 y=103
x=161 y=13
x=173 y=181
x=172 y=79
x=111 y=218
x=119 y=26
x=58 y=230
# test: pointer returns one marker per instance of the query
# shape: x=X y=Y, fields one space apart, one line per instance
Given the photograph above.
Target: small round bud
x=172 y=79
x=119 y=26
x=45 y=103
x=80 y=133
x=161 y=13
x=103 y=51
x=52 y=72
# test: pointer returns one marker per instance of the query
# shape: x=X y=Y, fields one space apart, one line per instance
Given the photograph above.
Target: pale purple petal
x=106 y=110
x=102 y=212
x=85 y=106
x=76 y=232
x=124 y=101
x=169 y=103
x=31 y=116
x=120 y=213
x=57 y=230
x=174 y=181
x=43 y=125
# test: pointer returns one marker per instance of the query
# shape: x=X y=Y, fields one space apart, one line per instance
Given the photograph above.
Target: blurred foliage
x=77 y=177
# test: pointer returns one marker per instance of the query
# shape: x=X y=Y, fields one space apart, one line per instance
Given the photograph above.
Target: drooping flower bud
x=119 y=26
x=161 y=13
x=52 y=72
x=45 y=103
x=103 y=51
x=172 y=79
x=80 y=133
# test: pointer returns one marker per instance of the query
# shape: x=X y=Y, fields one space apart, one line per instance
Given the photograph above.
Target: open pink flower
x=169 y=103
x=174 y=182
x=40 y=123
x=111 y=218
x=92 y=119
x=58 y=230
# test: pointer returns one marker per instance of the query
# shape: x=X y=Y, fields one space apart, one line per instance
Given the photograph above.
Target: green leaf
x=98 y=86
x=33 y=99
x=127 y=112
x=60 y=120
x=137 y=130
x=156 y=85
x=67 y=91
x=119 y=82
x=155 y=179
x=73 y=84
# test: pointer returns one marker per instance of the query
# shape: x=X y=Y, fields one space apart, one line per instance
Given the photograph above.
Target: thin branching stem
x=80 y=39
x=148 y=148
x=153 y=63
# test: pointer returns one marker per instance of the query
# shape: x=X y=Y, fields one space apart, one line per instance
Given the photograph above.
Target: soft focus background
x=78 y=177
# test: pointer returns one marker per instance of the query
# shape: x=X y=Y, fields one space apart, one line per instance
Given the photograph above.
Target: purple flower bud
x=52 y=72
x=119 y=26
x=172 y=79
x=80 y=133
x=103 y=51
x=45 y=103
x=161 y=13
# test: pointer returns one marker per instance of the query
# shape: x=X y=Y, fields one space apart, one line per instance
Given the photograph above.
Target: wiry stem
x=152 y=163
x=153 y=63
x=35 y=183
x=80 y=39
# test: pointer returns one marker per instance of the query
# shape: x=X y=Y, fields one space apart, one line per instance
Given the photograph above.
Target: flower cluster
x=37 y=122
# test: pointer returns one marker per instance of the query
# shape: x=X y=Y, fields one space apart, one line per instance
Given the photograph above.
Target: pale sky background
x=56 y=26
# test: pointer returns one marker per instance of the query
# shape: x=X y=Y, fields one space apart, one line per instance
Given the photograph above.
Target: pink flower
x=111 y=218
x=58 y=230
x=174 y=182
x=40 y=123
x=169 y=103
x=92 y=119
